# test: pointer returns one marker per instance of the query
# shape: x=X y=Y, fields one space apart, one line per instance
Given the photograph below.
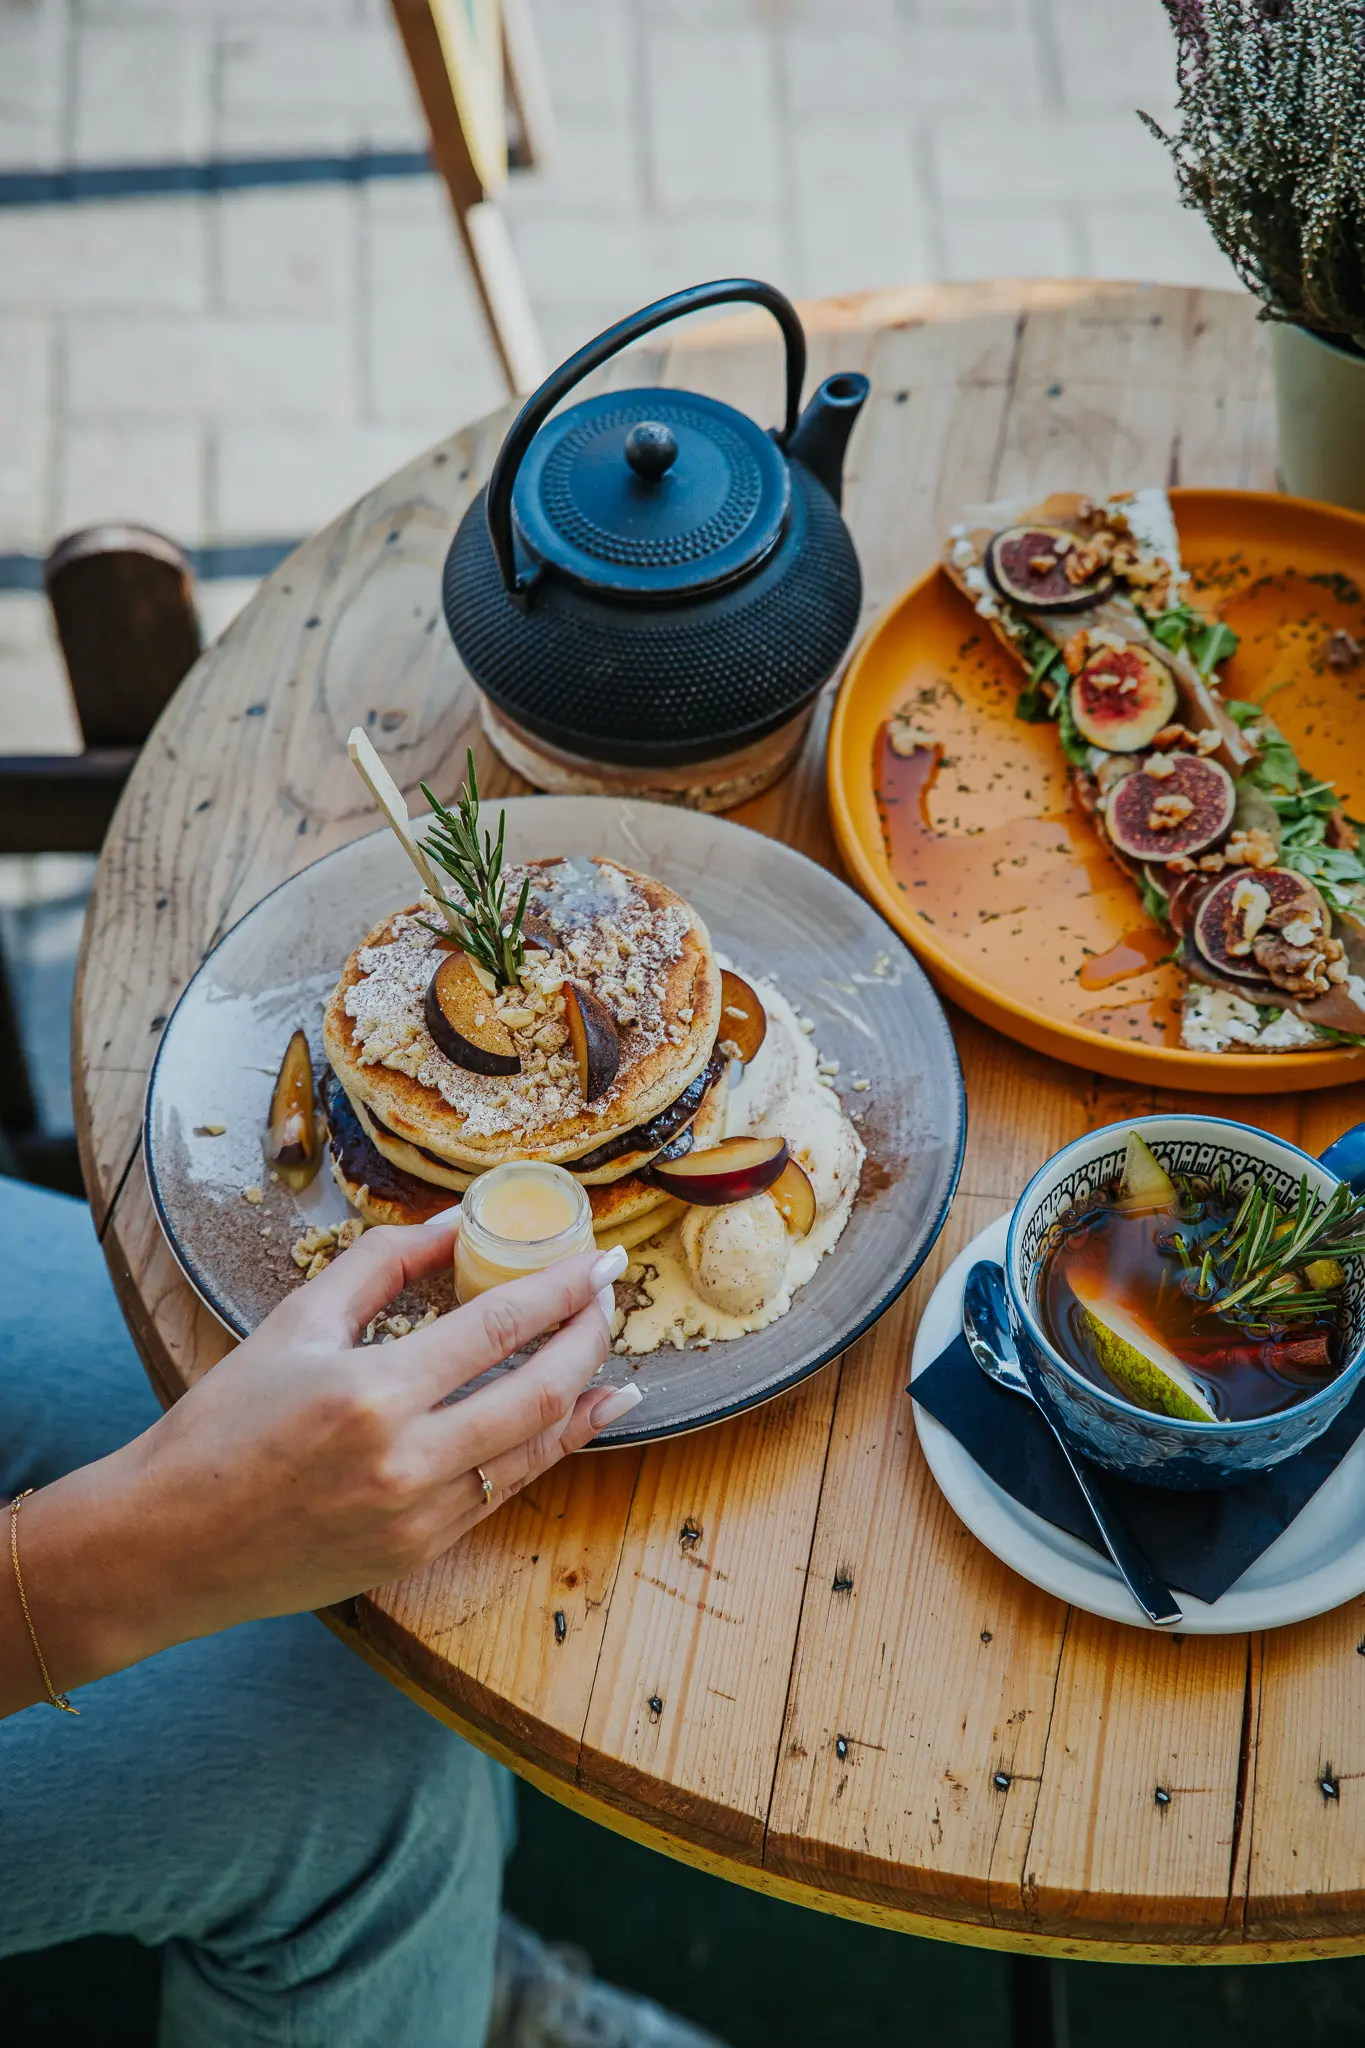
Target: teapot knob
x=650 y=449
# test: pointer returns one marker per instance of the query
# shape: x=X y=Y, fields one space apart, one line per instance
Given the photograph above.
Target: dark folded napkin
x=1201 y=1543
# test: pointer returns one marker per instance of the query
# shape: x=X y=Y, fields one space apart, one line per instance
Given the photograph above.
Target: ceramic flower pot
x=1161 y=1450
x=1320 y=407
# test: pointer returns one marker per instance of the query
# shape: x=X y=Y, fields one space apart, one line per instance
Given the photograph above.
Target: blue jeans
x=319 y=1859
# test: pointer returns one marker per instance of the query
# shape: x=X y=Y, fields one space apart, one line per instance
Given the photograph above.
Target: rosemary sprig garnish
x=1257 y=1264
x=452 y=841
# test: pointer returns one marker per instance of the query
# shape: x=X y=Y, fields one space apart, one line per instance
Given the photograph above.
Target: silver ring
x=487 y=1485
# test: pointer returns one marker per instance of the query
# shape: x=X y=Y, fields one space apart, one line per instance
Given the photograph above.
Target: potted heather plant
x=1269 y=145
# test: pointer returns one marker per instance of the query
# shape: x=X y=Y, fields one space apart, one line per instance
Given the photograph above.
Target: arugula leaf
x=1186 y=631
x=1215 y=643
x=1241 y=713
x=1276 y=766
x=1339 y=1037
x=1076 y=749
x=1155 y=901
x=1045 y=664
x=1174 y=626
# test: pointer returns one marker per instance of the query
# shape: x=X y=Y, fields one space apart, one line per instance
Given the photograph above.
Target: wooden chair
x=122 y=600
x=468 y=58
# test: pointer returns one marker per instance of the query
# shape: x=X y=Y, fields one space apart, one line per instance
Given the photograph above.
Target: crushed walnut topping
x=1180 y=738
x=1343 y=650
x=1289 y=942
x=1169 y=811
x=1247 y=910
x=905 y=738
x=315 y=1250
x=1159 y=767
x=1077 y=649
x=1252 y=848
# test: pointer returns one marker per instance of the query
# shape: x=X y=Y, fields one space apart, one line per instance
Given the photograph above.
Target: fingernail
x=609 y=1267
x=446 y=1216
x=614 y=1405
x=606 y=1301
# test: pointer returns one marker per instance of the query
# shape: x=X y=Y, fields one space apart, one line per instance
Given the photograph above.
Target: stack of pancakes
x=410 y=1130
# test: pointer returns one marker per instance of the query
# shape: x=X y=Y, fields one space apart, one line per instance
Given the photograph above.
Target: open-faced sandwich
x=572 y=1011
x=1233 y=845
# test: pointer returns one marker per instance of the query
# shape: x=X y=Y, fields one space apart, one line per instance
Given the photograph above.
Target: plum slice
x=593 y=1038
x=461 y=1018
x=293 y=1140
x=1281 y=885
x=729 y=1172
x=795 y=1198
x=1027 y=565
x=1181 y=810
x=743 y=1020
x=1122 y=698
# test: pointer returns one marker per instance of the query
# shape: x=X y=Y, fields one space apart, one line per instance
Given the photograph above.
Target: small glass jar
x=516 y=1219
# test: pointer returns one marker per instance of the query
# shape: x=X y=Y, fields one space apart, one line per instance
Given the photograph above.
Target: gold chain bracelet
x=58 y=1699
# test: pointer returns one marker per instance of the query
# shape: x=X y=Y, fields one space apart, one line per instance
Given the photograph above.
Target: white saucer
x=1317 y=1564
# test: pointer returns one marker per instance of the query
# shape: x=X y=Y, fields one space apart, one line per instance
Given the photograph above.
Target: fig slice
x=1281 y=885
x=1027 y=565
x=728 y=1172
x=795 y=1198
x=593 y=1038
x=1183 y=812
x=461 y=1018
x=1122 y=698
x=293 y=1140
x=743 y=1020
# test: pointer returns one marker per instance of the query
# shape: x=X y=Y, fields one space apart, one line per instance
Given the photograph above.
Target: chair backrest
x=122 y=598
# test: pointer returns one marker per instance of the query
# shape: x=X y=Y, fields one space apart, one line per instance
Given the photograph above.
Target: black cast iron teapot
x=649 y=578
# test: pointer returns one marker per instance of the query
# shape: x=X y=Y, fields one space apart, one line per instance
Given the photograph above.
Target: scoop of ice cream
x=821 y=1138
x=737 y=1255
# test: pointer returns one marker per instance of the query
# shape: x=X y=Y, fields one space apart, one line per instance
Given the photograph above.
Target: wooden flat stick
x=389 y=798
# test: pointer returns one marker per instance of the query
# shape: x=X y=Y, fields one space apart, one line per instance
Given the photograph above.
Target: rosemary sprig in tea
x=1260 y=1265
x=452 y=841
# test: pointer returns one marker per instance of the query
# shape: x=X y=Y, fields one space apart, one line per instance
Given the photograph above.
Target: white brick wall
x=164 y=70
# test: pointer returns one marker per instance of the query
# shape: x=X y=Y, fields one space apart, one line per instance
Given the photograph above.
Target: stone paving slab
x=238 y=367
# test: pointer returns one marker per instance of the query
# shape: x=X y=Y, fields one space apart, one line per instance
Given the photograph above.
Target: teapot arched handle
x=541 y=403
x=1345 y=1157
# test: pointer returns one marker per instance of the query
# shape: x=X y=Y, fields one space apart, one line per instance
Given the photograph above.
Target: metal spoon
x=985 y=1325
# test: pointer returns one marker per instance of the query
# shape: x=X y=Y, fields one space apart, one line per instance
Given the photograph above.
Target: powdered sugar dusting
x=606 y=936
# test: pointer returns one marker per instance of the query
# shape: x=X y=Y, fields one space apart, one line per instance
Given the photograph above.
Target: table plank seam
x=1243 y=1830
x=1007 y=408
x=1023 y=1879
x=606 y=1621
x=133 y=1157
x=784 y=1721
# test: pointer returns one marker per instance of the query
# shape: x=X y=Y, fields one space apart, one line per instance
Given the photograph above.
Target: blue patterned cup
x=1161 y=1450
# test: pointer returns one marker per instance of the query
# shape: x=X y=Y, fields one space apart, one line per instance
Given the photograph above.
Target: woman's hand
x=305 y=1468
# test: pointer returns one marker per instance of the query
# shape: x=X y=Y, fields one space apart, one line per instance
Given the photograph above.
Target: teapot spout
x=822 y=432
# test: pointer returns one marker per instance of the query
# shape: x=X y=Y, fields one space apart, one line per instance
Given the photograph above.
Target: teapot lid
x=651 y=494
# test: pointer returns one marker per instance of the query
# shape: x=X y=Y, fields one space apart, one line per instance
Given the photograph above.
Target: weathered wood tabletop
x=771 y=1647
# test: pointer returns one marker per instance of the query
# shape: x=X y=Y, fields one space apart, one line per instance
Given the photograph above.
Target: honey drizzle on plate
x=956 y=871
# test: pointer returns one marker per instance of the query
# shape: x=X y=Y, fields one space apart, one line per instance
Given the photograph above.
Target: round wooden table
x=770 y=1647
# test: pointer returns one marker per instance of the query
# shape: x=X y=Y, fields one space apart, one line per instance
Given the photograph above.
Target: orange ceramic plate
x=1005 y=892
